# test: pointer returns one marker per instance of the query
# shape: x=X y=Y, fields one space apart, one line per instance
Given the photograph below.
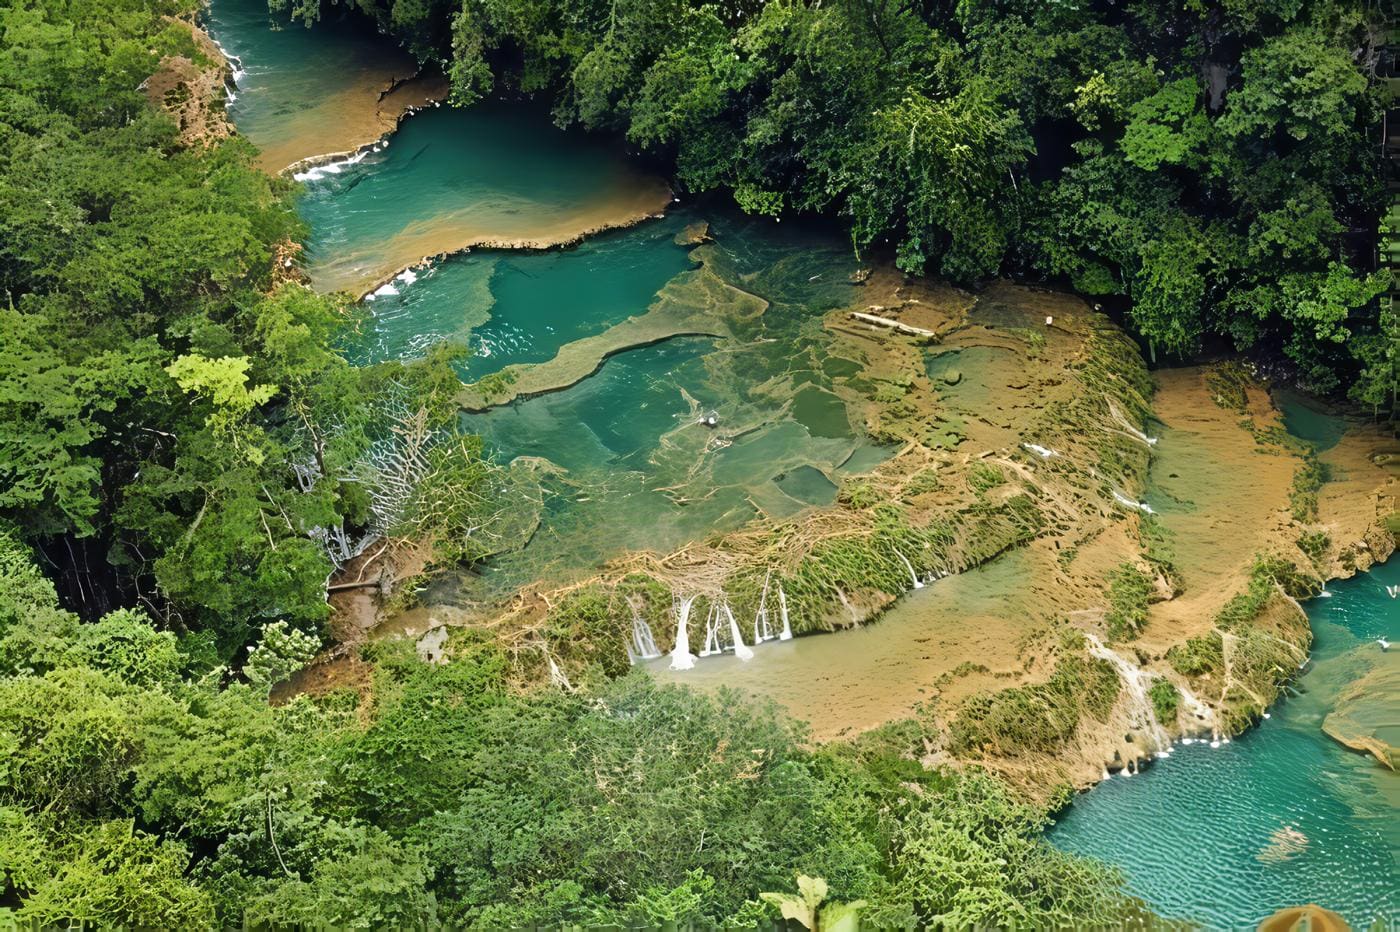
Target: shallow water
x=1204 y=835
x=639 y=472
x=303 y=92
x=642 y=472
x=497 y=173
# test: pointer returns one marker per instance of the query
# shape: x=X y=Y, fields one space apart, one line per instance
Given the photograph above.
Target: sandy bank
x=338 y=121
x=500 y=223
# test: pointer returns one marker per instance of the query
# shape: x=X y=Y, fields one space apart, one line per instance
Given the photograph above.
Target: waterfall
x=740 y=649
x=918 y=584
x=1199 y=710
x=762 y=630
x=643 y=646
x=1140 y=712
x=681 y=657
x=1122 y=499
x=782 y=607
x=712 y=640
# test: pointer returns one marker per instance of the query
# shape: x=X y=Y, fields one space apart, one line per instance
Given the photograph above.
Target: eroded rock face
x=1367 y=714
x=192 y=92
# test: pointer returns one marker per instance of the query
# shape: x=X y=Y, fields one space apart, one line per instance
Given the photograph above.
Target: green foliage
x=105 y=874
x=1166 y=700
x=454 y=800
x=280 y=652
x=160 y=401
x=1208 y=167
x=1168 y=127
x=1128 y=594
x=810 y=909
x=1040 y=717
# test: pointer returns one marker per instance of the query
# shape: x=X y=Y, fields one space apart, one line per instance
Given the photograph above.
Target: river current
x=1210 y=835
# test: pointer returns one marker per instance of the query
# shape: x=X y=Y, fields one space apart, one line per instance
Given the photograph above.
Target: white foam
x=317 y=172
x=1125 y=500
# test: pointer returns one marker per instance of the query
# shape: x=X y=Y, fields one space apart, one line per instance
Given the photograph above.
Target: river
x=633 y=467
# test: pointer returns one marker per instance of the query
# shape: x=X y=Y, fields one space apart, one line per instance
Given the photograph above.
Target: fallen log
x=892 y=324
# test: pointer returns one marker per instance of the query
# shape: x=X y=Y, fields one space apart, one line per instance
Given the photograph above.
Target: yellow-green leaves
x=806 y=907
x=223 y=383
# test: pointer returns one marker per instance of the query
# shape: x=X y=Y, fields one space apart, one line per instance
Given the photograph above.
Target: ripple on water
x=1278 y=817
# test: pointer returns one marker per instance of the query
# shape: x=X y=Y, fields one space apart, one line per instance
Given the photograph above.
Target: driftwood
x=892 y=324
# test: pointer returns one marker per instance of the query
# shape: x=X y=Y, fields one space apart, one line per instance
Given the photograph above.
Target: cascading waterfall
x=713 y=644
x=918 y=583
x=1141 y=713
x=782 y=608
x=741 y=650
x=762 y=630
x=1199 y=711
x=643 y=645
x=681 y=657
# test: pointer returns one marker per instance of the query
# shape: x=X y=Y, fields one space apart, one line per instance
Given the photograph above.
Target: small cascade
x=786 y=634
x=918 y=583
x=681 y=657
x=1124 y=500
x=713 y=644
x=643 y=646
x=1199 y=711
x=741 y=650
x=557 y=677
x=762 y=628
x=1141 y=713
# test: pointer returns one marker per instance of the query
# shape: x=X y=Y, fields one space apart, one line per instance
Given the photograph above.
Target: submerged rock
x=1310 y=918
x=1367 y=714
x=694 y=234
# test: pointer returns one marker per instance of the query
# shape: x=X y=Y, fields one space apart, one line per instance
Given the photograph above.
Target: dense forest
x=1214 y=165
x=184 y=450
x=181 y=451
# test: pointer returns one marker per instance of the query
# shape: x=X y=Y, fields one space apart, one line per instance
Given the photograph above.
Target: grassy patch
x=1128 y=592
x=983 y=477
x=1198 y=656
x=1307 y=482
x=1042 y=717
x=1315 y=544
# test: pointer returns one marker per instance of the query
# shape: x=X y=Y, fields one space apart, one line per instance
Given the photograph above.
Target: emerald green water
x=302 y=92
x=497 y=173
x=520 y=307
x=1195 y=833
x=632 y=467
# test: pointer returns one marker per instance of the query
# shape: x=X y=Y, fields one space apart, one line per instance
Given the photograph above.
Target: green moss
x=1165 y=700
x=1198 y=656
